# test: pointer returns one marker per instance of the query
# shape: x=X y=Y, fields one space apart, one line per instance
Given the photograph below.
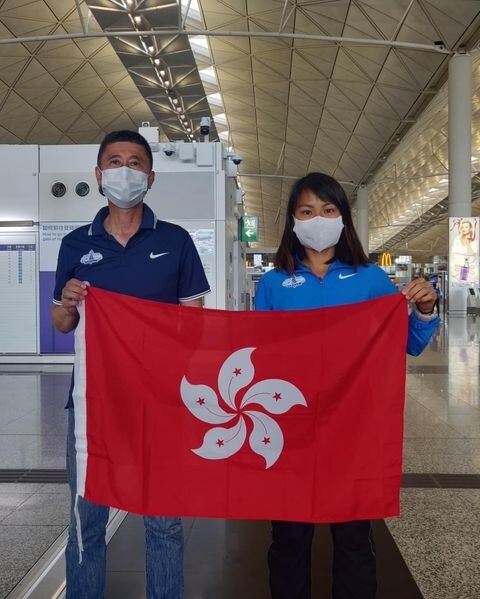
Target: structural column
x=460 y=135
x=459 y=163
x=362 y=216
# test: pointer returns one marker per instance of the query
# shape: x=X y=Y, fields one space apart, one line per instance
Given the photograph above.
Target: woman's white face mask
x=124 y=186
x=318 y=233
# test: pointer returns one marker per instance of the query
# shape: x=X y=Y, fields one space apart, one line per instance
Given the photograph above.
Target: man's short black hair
x=124 y=135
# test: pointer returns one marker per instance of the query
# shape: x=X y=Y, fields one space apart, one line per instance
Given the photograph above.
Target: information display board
x=203 y=236
x=18 y=284
x=51 y=235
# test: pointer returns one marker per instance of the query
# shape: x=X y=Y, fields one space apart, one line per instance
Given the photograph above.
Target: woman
x=462 y=243
x=320 y=262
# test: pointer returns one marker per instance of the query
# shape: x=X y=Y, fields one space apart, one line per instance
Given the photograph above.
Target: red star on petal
x=220 y=442
x=237 y=371
x=277 y=396
x=201 y=401
x=266 y=440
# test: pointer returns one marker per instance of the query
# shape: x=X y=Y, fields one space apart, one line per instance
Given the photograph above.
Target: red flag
x=294 y=415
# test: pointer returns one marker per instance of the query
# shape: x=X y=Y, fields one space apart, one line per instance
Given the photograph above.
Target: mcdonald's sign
x=386 y=259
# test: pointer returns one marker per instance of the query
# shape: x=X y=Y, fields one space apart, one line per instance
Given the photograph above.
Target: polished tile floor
x=227 y=560
x=437 y=537
x=32 y=435
x=439 y=531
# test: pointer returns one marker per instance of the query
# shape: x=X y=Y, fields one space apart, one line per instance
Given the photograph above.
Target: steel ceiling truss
x=332 y=86
x=326 y=86
x=436 y=215
x=162 y=65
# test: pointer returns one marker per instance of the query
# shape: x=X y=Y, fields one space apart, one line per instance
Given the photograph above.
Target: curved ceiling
x=286 y=105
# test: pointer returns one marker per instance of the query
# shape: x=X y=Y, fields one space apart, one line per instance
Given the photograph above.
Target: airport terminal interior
x=237 y=100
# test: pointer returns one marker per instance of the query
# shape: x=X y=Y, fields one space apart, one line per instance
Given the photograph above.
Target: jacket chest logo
x=293 y=282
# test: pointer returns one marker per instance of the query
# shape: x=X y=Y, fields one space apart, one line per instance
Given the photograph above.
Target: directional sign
x=249 y=228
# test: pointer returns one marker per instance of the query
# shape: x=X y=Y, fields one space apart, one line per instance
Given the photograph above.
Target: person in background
x=126 y=249
x=321 y=262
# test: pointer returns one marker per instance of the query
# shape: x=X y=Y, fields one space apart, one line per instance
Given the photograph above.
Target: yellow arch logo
x=386 y=259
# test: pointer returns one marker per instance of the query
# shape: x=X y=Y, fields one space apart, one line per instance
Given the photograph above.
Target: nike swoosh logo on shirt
x=340 y=276
x=153 y=256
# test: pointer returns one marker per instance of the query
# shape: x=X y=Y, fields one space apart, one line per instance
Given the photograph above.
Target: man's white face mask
x=125 y=187
x=318 y=233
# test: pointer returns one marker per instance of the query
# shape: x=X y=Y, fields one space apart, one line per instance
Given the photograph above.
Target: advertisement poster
x=464 y=251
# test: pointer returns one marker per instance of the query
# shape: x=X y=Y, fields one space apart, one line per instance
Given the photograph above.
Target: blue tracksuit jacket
x=342 y=284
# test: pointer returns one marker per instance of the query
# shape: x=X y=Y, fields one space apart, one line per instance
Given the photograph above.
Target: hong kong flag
x=293 y=415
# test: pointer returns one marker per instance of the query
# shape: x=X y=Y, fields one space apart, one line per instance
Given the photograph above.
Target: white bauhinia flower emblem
x=276 y=396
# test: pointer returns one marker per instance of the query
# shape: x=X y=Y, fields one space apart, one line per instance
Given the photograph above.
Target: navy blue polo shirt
x=159 y=263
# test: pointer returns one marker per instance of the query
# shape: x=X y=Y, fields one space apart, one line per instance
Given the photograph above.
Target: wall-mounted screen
x=18 y=282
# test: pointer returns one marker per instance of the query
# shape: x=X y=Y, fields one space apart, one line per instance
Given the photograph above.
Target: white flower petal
x=266 y=438
x=220 y=442
x=236 y=372
x=202 y=402
x=275 y=395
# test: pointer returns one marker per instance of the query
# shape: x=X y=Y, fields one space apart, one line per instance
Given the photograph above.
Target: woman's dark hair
x=326 y=188
x=124 y=135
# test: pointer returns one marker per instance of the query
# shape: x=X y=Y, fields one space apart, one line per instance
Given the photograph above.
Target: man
x=127 y=250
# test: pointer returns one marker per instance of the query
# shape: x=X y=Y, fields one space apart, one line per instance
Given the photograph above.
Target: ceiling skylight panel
x=208 y=75
x=191 y=10
x=215 y=99
x=199 y=43
x=221 y=119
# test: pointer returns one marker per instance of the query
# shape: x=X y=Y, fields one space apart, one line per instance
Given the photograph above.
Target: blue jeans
x=163 y=540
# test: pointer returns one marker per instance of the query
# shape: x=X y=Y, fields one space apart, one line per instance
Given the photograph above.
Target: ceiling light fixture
x=175 y=101
x=162 y=72
x=137 y=20
x=166 y=83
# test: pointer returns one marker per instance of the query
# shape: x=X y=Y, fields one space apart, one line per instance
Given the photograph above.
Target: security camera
x=236 y=159
x=169 y=149
x=205 y=125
